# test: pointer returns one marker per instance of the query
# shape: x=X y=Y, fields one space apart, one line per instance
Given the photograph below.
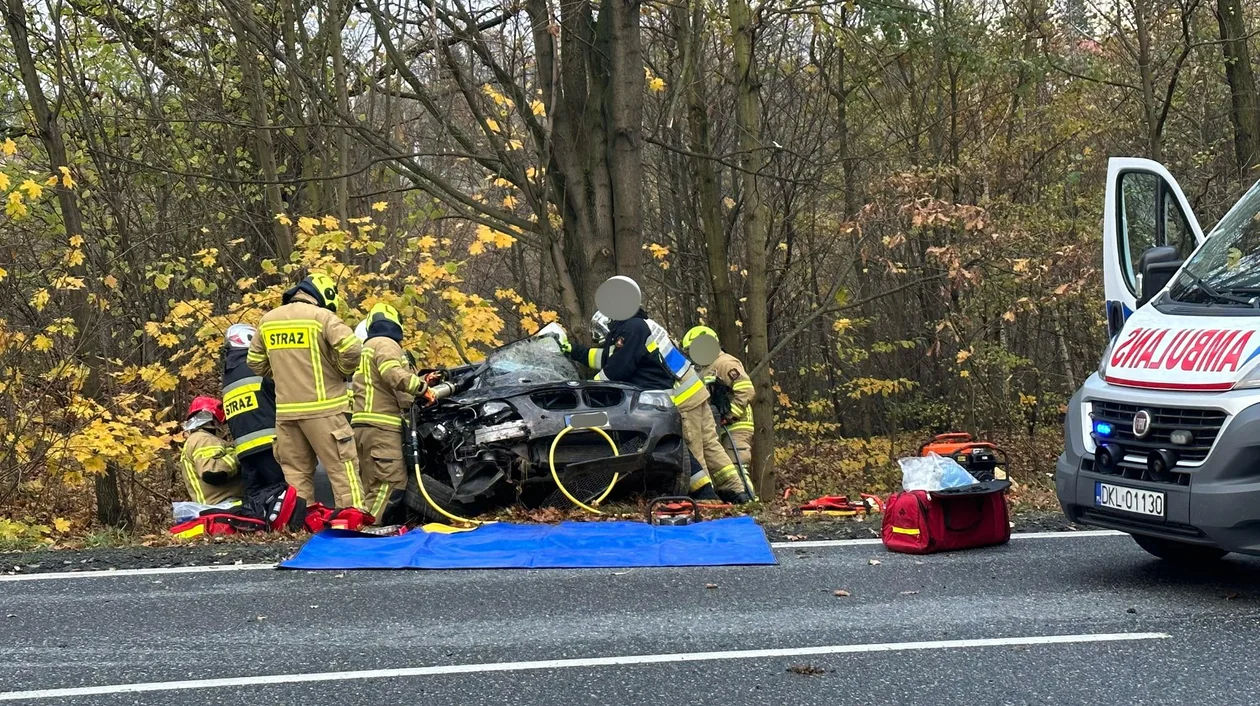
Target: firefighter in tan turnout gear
x=731 y=391
x=211 y=472
x=309 y=352
x=384 y=387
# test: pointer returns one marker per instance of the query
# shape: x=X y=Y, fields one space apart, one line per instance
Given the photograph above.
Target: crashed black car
x=487 y=445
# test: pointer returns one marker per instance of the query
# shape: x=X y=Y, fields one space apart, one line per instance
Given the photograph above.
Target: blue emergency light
x=1103 y=428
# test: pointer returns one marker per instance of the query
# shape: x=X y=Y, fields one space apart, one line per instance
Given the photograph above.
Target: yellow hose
x=551 y=462
x=425 y=492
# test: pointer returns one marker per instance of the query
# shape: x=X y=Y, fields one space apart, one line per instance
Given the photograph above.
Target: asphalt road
x=965 y=628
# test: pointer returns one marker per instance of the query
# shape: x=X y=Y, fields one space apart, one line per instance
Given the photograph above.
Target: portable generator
x=982 y=459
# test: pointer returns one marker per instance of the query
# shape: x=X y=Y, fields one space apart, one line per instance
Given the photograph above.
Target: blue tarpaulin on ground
x=569 y=545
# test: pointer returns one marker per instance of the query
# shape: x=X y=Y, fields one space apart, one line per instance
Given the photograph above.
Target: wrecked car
x=490 y=444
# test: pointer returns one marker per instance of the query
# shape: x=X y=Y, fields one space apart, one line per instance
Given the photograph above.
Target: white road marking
x=106 y=573
x=876 y=540
x=195 y=684
x=805 y=544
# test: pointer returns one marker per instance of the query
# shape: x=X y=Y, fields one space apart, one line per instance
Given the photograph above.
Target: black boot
x=704 y=493
x=734 y=497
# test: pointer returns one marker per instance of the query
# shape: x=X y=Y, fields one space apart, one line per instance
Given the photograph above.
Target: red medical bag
x=922 y=522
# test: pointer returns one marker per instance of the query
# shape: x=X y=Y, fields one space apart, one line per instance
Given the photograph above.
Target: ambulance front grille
x=1203 y=424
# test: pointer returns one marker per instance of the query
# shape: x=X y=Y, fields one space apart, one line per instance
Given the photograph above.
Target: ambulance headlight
x=1106 y=357
x=1250 y=381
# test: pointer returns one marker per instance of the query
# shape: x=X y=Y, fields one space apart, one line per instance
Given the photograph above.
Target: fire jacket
x=729 y=372
x=249 y=400
x=384 y=385
x=206 y=453
x=309 y=352
x=637 y=354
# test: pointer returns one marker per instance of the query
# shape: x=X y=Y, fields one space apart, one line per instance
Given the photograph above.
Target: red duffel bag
x=922 y=522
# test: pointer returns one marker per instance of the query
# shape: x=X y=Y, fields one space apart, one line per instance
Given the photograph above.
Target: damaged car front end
x=494 y=442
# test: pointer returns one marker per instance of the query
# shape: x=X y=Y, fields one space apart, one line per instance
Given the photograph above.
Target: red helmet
x=205 y=403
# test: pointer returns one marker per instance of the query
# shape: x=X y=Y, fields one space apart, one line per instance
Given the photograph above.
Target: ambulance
x=1163 y=441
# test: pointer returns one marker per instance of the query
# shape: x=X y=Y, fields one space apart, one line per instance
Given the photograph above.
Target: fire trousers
x=299 y=442
x=715 y=466
x=383 y=471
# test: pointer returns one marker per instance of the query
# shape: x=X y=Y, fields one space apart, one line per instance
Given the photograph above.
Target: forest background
x=890 y=210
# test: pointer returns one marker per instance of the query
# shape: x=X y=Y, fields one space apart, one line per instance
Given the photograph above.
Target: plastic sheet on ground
x=737 y=541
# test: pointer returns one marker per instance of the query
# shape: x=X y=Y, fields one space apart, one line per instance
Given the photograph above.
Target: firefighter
x=384 y=386
x=729 y=387
x=638 y=351
x=208 y=461
x=249 y=400
x=309 y=352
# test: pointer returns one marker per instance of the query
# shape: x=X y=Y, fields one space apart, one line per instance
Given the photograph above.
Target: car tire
x=442 y=494
x=1178 y=552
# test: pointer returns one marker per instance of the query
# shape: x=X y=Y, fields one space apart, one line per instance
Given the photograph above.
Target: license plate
x=586 y=420
x=1141 y=502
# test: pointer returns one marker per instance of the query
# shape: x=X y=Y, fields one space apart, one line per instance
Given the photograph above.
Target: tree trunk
x=109 y=507
x=341 y=84
x=753 y=159
x=1245 y=104
x=723 y=314
x=242 y=19
x=624 y=101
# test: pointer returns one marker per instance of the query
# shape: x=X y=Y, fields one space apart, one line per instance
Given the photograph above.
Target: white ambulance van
x=1163 y=442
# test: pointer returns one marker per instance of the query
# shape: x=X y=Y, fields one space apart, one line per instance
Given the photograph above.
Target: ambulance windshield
x=1226 y=270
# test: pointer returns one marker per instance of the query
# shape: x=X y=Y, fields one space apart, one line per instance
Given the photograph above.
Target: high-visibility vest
x=686 y=382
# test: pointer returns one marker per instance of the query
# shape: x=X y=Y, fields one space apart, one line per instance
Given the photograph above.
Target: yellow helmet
x=325 y=289
x=697 y=332
x=383 y=311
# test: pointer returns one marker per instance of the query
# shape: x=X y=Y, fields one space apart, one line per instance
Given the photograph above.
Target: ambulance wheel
x=1178 y=552
x=442 y=494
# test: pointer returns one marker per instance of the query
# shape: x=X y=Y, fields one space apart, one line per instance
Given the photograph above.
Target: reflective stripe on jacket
x=206 y=453
x=384 y=385
x=249 y=400
x=308 y=351
x=729 y=372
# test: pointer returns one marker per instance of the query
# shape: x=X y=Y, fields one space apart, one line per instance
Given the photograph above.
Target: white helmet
x=240 y=335
x=360 y=331
x=599 y=328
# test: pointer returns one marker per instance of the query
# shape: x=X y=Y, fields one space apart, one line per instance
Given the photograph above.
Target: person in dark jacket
x=626 y=356
x=249 y=401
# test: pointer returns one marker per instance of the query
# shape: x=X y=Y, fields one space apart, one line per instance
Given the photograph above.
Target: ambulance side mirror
x=1155 y=268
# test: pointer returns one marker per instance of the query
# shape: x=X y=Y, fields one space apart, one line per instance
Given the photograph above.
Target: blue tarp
x=569 y=545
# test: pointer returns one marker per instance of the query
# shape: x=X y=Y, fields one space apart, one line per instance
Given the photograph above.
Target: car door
x=1145 y=208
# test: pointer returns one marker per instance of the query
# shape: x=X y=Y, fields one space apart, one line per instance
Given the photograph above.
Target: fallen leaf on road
x=796 y=537
x=841 y=593
x=262 y=617
x=339 y=576
x=10 y=615
x=874 y=562
x=807 y=670
x=710 y=586
x=314 y=607
x=909 y=593
x=1131 y=610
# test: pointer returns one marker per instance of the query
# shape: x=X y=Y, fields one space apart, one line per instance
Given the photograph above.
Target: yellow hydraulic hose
x=551 y=462
x=420 y=479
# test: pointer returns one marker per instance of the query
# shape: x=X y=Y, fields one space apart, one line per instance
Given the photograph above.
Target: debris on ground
x=806 y=670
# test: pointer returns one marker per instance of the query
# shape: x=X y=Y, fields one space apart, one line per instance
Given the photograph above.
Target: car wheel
x=1179 y=552
x=442 y=494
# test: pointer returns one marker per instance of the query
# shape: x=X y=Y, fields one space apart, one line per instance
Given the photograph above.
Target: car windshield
x=528 y=362
x=1226 y=269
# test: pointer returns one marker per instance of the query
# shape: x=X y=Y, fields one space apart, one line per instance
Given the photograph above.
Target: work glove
x=555 y=331
x=216 y=477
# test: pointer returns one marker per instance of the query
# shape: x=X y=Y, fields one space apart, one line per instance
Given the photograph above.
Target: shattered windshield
x=1226 y=269
x=528 y=362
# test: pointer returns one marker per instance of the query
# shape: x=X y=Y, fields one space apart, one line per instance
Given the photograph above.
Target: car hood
x=1160 y=351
